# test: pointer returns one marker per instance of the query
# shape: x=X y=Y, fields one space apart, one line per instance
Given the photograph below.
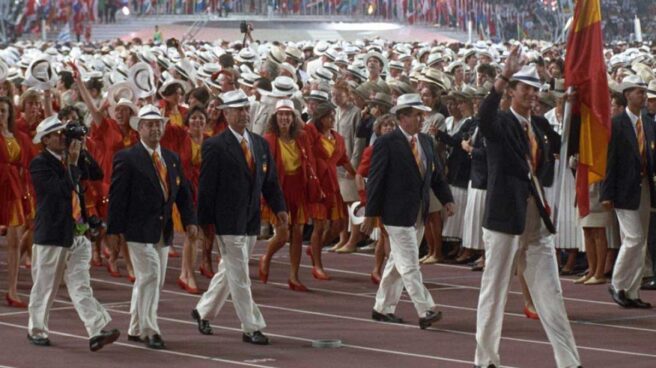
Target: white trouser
x=49 y=265
x=535 y=255
x=149 y=262
x=402 y=269
x=634 y=226
x=232 y=279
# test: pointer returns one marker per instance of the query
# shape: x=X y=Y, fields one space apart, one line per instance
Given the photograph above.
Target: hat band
x=285 y=89
x=151 y=113
x=275 y=58
x=522 y=78
x=236 y=102
x=52 y=128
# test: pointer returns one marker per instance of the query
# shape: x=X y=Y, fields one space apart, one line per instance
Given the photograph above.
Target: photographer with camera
x=247 y=30
x=61 y=249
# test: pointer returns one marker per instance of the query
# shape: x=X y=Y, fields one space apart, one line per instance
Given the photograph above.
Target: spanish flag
x=585 y=71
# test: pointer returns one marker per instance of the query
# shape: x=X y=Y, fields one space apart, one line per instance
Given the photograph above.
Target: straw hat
x=632 y=81
x=235 y=98
x=285 y=105
x=141 y=76
x=148 y=112
x=51 y=124
x=528 y=74
x=651 y=89
x=409 y=100
x=40 y=74
x=123 y=102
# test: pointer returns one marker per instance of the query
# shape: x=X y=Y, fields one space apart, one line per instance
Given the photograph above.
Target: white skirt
x=472 y=236
x=569 y=234
x=453 y=224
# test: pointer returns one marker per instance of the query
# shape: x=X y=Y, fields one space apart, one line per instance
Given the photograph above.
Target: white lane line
x=296 y=338
x=169 y=352
x=302 y=311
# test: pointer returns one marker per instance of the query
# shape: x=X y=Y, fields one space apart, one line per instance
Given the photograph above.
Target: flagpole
x=564 y=161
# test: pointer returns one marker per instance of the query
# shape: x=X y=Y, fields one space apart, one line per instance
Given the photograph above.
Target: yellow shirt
x=13 y=149
x=328 y=145
x=291 y=156
x=195 y=153
x=176 y=119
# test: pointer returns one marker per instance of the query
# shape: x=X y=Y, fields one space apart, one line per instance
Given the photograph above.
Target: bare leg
x=280 y=236
x=354 y=239
x=316 y=243
x=601 y=244
x=571 y=260
x=295 y=251
x=435 y=219
x=26 y=244
x=13 y=260
x=188 y=260
x=610 y=260
x=590 y=253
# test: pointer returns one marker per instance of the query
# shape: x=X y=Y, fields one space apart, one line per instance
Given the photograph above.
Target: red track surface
x=607 y=336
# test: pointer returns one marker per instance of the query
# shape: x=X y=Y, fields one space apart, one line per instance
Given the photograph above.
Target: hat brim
x=246 y=103
x=528 y=82
x=627 y=85
x=39 y=135
x=134 y=122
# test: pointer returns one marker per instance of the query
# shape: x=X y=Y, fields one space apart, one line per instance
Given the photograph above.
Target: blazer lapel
x=627 y=125
x=172 y=173
x=408 y=152
x=147 y=167
x=234 y=148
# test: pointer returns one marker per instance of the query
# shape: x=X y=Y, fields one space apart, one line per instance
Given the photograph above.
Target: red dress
x=190 y=160
x=293 y=184
x=327 y=160
x=363 y=170
x=15 y=206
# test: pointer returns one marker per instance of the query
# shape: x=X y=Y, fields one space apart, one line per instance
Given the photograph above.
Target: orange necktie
x=162 y=173
x=75 y=200
x=247 y=155
x=415 y=152
x=533 y=146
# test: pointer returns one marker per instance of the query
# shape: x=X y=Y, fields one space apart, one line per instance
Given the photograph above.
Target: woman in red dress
x=384 y=124
x=329 y=152
x=291 y=149
x=15 y=155
x=190 y=157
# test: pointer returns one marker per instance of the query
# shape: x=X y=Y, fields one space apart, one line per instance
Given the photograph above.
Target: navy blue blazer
x=54 y=184
x=458 y=162
x=623 y=179
x=137 y=208
x=508 y=181
x=395 y=188
x=228 y=193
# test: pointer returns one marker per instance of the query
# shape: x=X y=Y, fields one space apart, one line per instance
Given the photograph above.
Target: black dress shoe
x=649 y=285
x=39 y=341
x=256 y=338
x=620 y=298
x=135 y=338
x=429 y=318
x=155 y=342
x=203 y=324
x=390 y=317
x=638 y=303
x=105 y=338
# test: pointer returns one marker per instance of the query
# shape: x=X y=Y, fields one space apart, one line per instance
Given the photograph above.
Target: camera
x=245 y=27
x=75 y=131
x=95 y=225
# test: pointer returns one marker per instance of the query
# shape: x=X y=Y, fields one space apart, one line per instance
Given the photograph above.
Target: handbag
x=314 y=191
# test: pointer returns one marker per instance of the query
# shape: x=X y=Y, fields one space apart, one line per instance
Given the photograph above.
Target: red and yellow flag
x=585 y=71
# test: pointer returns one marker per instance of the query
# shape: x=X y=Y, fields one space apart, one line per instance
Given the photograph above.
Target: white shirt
x=158 y=150
x=242 y=137
x=419 y=149
x=634 y=120
x=58 y=157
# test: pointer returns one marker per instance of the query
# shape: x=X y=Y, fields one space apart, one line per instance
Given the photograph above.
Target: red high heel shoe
x=209 y=274
x=113 y=273
x=375 y=279
x=132 y=279
x=297 y=287
x=14 y=303
x=173 y=253
x=320 y=275
x=184 y=286
x=530 y=314
x=264 y=277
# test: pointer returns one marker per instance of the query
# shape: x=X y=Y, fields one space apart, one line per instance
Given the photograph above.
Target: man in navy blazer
x=629 y=188
x=146 y=181
x=237 y=168
x=61 y=249
x=514 y=227
x=404 y=167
